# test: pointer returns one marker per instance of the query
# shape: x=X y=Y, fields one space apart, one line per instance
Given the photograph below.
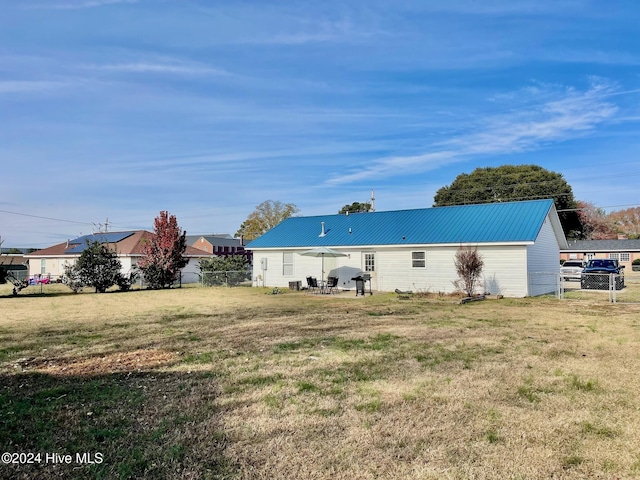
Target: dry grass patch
x=300 y=386
x=135 y=361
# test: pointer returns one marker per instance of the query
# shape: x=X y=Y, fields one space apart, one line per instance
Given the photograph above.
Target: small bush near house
x=221 y=270
x=469 y=266
x=72 y=279
x=98 y=267
x=125 y=282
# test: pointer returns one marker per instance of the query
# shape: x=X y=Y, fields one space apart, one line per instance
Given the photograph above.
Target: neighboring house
x=129 y=246
x=222 y=245
x=415 y=249
x=626 y=251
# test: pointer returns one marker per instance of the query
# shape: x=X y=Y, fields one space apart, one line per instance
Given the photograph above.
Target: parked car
x=571 y=270
x=597 y=272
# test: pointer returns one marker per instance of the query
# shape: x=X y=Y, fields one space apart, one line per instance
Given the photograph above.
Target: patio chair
x=332 y=283
x=312 y=283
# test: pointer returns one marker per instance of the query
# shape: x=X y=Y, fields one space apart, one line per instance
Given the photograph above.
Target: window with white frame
x=43 y=266
x=622 y=257
x=287 y=264
x=418 y=259
x=369 y=262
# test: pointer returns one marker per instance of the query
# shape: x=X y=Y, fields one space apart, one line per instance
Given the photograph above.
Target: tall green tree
x=266 y=216
x=512 y=183
x=355 y=207
x=97 y=267
x=163 y=253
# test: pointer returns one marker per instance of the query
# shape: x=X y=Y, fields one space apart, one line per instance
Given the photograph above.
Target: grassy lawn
x=236 y=383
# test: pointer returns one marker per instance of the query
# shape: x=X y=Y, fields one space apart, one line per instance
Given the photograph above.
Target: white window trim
x=286 y=264
x=422 y=259
x=370 y=266
x=620 y=256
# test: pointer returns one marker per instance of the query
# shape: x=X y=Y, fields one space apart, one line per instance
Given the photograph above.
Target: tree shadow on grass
x=120 y=425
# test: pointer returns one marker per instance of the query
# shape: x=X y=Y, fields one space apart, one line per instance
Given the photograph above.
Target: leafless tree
x=469 y=266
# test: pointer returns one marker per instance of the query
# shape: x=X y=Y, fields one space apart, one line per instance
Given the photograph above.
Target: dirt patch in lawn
x=137 y=360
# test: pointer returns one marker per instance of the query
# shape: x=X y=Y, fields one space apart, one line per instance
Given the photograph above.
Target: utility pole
x=373 y=199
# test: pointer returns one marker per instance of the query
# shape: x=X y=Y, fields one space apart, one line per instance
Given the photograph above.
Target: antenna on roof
x=373 y=199
x=99 y=227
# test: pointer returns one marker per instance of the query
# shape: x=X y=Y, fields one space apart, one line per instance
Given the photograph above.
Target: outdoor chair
x=332 y=283
x=312 y=283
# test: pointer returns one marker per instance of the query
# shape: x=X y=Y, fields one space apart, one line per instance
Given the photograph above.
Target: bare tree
x=469 y=266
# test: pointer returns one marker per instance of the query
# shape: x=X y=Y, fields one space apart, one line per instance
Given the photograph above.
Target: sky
x=113 y=110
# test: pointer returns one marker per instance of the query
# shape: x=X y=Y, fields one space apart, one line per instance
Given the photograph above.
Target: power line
x=46 y=218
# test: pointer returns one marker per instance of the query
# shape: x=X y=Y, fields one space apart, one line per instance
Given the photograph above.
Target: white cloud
x=561 y=116
x=87 y=4
x=30 y=86
x=147 y=67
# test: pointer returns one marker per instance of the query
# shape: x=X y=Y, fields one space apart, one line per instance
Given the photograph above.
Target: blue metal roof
x=80 y=243
x=482 y=223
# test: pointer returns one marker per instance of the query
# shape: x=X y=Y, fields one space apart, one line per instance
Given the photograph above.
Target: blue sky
x=121 y=108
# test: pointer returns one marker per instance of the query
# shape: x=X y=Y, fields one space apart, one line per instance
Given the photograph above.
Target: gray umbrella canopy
x=323 y=252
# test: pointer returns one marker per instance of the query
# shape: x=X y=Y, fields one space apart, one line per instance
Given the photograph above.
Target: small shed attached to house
x=519 y=242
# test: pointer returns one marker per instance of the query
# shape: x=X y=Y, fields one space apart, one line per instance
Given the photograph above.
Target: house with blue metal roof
x=519 y=242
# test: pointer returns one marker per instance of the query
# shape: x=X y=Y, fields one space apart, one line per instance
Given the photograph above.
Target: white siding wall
x=543 y=261
x=343 y=267
x=55 y=266
x=505 y=269
x=191 y=272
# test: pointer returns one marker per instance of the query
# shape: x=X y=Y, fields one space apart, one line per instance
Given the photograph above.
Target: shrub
x=125 y=282
x=72 y=279
x=469 y=266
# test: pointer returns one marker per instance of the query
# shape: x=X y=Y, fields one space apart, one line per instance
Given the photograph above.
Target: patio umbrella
x=323 y=252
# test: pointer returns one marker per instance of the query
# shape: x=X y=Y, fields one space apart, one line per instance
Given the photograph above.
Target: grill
x=361 y=281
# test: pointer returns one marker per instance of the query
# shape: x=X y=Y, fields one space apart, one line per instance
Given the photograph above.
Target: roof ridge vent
x=322 y=233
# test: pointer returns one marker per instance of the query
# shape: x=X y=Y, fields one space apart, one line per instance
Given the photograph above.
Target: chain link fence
x=594 y=287
x=233 y=278
x=601 y=281
x=601 y=287
x=47 y=283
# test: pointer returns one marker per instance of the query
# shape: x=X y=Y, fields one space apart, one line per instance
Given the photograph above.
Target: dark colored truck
x=597 y=272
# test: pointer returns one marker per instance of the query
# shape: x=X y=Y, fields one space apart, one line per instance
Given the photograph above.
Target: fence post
x=612 y=288
x=560 y=284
